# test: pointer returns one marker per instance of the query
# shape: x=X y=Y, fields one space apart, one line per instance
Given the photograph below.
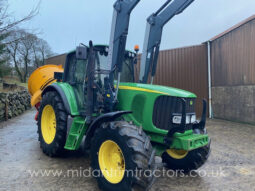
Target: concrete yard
x=231 y=165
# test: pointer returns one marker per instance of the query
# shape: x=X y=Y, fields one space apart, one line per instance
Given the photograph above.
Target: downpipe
x=209 y=78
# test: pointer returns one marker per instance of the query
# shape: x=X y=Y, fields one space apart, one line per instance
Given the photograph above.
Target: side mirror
x=82 y=53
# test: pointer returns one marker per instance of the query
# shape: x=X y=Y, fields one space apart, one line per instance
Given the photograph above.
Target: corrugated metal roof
x=233 y=28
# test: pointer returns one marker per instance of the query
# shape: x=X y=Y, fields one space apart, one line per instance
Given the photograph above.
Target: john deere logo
x=191 y=102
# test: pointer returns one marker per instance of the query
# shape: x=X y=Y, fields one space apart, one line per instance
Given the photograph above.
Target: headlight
x=193 y=119
x=177 y=119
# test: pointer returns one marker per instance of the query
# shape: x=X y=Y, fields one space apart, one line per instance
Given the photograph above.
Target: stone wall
x=234 y=103
x=13 y=104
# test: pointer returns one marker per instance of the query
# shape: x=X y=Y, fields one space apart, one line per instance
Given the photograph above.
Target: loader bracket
x=201 y=124
x=182 y=127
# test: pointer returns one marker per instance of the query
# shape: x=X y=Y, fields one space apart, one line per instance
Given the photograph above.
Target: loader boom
x=153 y=34
x=119 y=31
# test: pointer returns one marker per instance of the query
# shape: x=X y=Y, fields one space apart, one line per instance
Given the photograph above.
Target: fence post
x=6 y=109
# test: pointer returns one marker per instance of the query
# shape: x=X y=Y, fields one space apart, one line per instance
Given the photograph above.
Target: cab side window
x=75 y=76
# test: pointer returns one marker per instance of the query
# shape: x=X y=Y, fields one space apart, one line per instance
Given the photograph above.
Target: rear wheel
x=52 y=124
x=121 y=154
x=184 y=160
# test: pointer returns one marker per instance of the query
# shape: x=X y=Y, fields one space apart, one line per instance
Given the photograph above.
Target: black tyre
x=187 y=161
x=119 y=145
x=52 y=124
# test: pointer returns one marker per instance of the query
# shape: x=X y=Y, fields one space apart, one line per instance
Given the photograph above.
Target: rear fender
x=67 y=95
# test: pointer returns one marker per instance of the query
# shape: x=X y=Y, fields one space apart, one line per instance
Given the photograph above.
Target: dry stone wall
x=13 y=104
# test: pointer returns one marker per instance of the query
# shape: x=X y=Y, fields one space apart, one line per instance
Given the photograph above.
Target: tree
x=13 y=50
x=28 y=51
x=3 y=58
x=21 y=51
x=45 y=50
x=7 y=25
x=25 y=50
x=42 y=51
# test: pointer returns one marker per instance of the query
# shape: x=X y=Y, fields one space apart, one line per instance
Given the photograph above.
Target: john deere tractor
x=95 y=102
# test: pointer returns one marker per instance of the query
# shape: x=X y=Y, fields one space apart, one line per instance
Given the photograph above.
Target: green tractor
x=96 y=103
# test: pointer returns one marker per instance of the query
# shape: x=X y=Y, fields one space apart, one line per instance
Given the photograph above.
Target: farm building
x=233 y=69
x=56 y=60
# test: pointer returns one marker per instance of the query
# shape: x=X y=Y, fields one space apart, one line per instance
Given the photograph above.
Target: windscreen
x=127 y=74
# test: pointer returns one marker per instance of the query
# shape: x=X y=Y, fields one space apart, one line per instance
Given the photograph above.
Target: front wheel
x=184 y=160
x=120 y=154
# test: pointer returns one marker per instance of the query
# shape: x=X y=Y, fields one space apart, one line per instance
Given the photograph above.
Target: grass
x=12 y=80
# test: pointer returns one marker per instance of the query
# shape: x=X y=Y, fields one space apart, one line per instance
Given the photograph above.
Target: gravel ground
x=231 y=165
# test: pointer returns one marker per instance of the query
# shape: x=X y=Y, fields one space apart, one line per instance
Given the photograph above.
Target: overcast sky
x=66 y=23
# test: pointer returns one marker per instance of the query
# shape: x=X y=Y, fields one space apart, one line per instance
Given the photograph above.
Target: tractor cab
x=76 y=73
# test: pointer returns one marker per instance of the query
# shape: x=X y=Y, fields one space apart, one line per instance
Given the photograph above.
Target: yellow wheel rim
x=111 y=162
x=177 y=154
x=48 y=124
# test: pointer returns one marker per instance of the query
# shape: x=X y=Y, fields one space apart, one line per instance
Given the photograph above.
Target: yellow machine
x=41 y=78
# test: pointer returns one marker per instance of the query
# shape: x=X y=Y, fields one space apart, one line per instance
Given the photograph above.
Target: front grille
x=165 y=106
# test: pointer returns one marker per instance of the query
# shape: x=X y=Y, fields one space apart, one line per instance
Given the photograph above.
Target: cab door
x=75 y=74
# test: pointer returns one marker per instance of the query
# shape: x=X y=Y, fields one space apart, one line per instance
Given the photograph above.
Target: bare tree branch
x=8 y=24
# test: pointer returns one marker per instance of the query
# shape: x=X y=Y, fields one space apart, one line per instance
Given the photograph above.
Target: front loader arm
x=153 y=34
x=119 y=31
